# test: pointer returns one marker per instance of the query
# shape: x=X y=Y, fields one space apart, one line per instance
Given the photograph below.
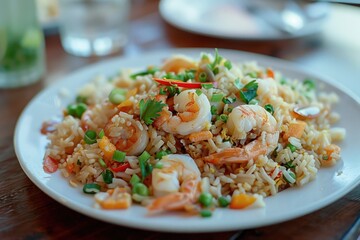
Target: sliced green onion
x=269 y=108
x=198 y=92
x=119 y=156
x=223 y=202
x=102 y=163
x=145 y=167
x=292 y=147
x=203 y=77
x=90 y=137
x=229 y=109
x=223 y=117
x=252 y=74
x=172 y=90
x=107 y=176
x=289 y=176
x=309 y=84
x=325 y=157
x=205 y=213
x=207 y=85
x=228 y=100
x=254 y=102
x=205 y=199
x=91 y=188
x=144 y=156
x=216 y=97
x=216 y=70
x=289 y=164
x=204 y=56
x=134 y=180
x=141 y=189
x=101 y=133
x=117 y=95
x=161 y=154
x=143 y=73
x=189 y=74
x=159 y=165
x=216 y=61
x=283 y=81
x=213 y=110
x=228 y=64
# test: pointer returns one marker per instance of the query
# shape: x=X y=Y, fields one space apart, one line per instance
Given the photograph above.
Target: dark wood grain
x=28 y=213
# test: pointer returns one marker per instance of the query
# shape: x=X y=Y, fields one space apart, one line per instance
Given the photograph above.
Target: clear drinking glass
x=93 y=27
x=21 y=44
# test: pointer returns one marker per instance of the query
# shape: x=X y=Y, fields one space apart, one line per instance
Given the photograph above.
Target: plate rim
x=283 y=36
x=289 y=65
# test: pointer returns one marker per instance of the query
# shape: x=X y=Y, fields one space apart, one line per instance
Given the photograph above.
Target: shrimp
x=176 y=184
x=127 y=134
x=193 y=114
x=246 y=121
x=178 y=63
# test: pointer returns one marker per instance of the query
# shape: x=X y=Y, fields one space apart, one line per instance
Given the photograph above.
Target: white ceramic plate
x=330 y=185
x=241 y=19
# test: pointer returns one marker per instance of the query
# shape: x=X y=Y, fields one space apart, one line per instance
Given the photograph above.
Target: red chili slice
x=120 y=167
x=172 y=82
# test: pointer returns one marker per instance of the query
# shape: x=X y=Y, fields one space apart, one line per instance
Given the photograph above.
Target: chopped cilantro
x=248 y=92
x=149 y=110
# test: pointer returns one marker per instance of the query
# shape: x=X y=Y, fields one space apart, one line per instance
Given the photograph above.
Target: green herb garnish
x=150 y=109
x=248 y=92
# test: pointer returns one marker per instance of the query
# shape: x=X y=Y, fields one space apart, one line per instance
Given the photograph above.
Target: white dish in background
x=330 y=184
x=247 y=20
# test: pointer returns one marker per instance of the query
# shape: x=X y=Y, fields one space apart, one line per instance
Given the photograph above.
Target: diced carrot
x=125 y=106
x=116 y=204
x=200 y=136
x=70 y=167
x=270 y=73
x=241 y=201
x=296 y=129
x=330 y=149
x=132 y=92
x=118 y=199
x=50 y=165
x=107 y=148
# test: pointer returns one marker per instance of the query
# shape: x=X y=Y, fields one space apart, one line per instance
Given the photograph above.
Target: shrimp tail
x=174 y=201
x=260 y=146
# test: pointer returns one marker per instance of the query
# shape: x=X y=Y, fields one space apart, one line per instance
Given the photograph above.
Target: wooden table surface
x=28 y=213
